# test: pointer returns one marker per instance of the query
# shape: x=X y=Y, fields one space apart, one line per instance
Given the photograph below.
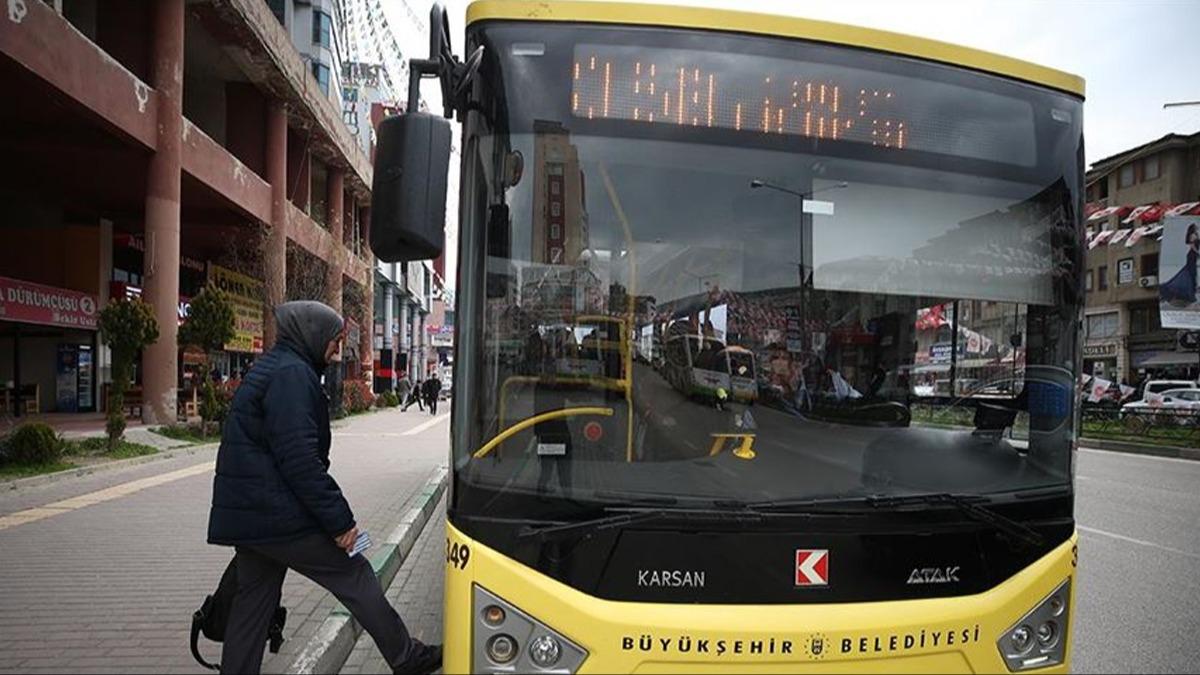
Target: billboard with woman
x=1178 y=306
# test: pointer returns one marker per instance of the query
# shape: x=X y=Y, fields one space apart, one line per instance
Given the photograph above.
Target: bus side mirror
x=408 y=194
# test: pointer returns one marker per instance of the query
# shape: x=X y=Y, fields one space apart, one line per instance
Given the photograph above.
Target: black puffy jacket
x=273 y=480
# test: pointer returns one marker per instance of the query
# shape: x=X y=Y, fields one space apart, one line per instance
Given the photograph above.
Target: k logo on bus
x=812 y=567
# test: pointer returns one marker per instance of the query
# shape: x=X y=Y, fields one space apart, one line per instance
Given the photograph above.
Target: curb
x=327 y=651
x=1140 y=449
x=79 y=472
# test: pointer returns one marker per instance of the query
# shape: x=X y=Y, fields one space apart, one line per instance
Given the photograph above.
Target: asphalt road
x=1138 y=598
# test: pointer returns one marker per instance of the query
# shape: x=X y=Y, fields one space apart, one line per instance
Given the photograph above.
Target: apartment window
x=321 y=72
x=1150 y=168
x=1143 y=319
x=1125 y=177
x=1150 y=264
x=1102 y=278
x=322 y=30
x=1088 y=282
x=1102 y=325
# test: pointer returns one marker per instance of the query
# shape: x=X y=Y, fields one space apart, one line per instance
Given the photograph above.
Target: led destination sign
x=765 y=95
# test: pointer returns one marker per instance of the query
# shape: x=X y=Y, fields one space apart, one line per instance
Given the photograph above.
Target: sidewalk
x=416 y=593
x=107 y=582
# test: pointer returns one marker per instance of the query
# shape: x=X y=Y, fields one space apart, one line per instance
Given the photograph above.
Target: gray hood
x=307 y=326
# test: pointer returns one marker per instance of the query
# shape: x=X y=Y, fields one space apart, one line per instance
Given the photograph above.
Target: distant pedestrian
x=416 y=395
x=403 y=389
x=433 y=389
x=275 y=502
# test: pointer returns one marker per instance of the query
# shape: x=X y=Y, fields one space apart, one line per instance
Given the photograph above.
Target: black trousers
x=433 y=400
x=261 y=569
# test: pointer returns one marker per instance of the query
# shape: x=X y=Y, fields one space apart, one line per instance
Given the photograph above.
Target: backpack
x=213 y=616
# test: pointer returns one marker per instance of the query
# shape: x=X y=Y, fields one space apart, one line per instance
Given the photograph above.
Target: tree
x=127 y=326
x=209 y=326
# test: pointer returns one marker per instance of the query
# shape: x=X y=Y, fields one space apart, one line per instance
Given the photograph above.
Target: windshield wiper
x=967 y=505
x=622 y=517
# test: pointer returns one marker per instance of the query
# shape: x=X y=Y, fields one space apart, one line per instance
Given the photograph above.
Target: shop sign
x=247 y=294
x=26 y=302
x=939 y=352
x=136 y=243
x=117 y=289
x=442 y=336
x=1099 y=351
x=795 y=341
x=1125 y=271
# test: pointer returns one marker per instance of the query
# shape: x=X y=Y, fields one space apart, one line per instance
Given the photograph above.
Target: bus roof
x=779 y=26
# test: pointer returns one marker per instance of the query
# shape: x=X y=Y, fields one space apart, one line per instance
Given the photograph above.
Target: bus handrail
x=537 y=419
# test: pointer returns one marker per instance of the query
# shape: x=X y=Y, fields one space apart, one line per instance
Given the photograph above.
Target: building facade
x=1128 y=196
x=154 y=147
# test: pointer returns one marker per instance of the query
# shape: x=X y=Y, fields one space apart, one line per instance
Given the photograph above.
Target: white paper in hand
x=362 y=543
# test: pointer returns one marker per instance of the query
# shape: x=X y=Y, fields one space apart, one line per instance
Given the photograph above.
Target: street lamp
x=760 y=183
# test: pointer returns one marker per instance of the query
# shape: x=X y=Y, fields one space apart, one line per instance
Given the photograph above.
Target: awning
x=1117 y=237
x=1166 y=359
x=1154 y=230
x=1184 y=209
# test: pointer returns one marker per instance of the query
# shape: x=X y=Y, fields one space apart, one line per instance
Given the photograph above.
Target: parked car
x=1163 y=386
x=1180 y=406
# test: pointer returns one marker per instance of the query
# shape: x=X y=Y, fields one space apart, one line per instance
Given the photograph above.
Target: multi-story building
x=317 y=31
x=1128 y=195
x=153 y=147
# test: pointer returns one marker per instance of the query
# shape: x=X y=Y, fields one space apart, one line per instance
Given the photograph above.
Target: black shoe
x=426 y=659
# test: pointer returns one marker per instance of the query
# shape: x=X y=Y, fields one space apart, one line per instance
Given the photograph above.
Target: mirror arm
x=455 y=75
x=417 y=69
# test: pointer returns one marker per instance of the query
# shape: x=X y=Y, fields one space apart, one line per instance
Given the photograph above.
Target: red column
x=334 y=207
x=275 y=250
x=366 y=345
x=161 y=289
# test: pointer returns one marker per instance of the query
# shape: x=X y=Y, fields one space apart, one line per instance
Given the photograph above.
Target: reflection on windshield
x=915 y=335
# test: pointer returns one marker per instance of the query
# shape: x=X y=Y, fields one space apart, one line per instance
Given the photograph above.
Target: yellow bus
x=841 y=180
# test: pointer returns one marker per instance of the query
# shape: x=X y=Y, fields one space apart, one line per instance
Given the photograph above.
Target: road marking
x=100 y=496
x=1131 y=455
x=1121 y=537
x=427 y=425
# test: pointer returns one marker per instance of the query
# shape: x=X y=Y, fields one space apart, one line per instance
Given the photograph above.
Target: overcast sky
x=1135 y=55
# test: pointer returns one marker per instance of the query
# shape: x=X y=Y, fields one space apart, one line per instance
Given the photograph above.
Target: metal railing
x=1167 y=426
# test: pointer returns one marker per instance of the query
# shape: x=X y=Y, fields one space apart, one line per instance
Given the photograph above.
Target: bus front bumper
x=957 y=634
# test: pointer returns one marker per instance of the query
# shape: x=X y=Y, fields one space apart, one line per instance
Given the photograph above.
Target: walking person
x=275 y=502
x=403 y=388
x=416 y=395
x=433 y=389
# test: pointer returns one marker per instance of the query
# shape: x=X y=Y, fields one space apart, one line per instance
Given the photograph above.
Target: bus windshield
x=807 y=271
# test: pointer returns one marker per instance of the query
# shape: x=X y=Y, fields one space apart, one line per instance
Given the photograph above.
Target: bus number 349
x=457 y=554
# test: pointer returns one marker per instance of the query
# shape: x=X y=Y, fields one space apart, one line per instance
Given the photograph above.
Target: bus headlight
x=1038 y=639
x=507 y=640
x=544 y=650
